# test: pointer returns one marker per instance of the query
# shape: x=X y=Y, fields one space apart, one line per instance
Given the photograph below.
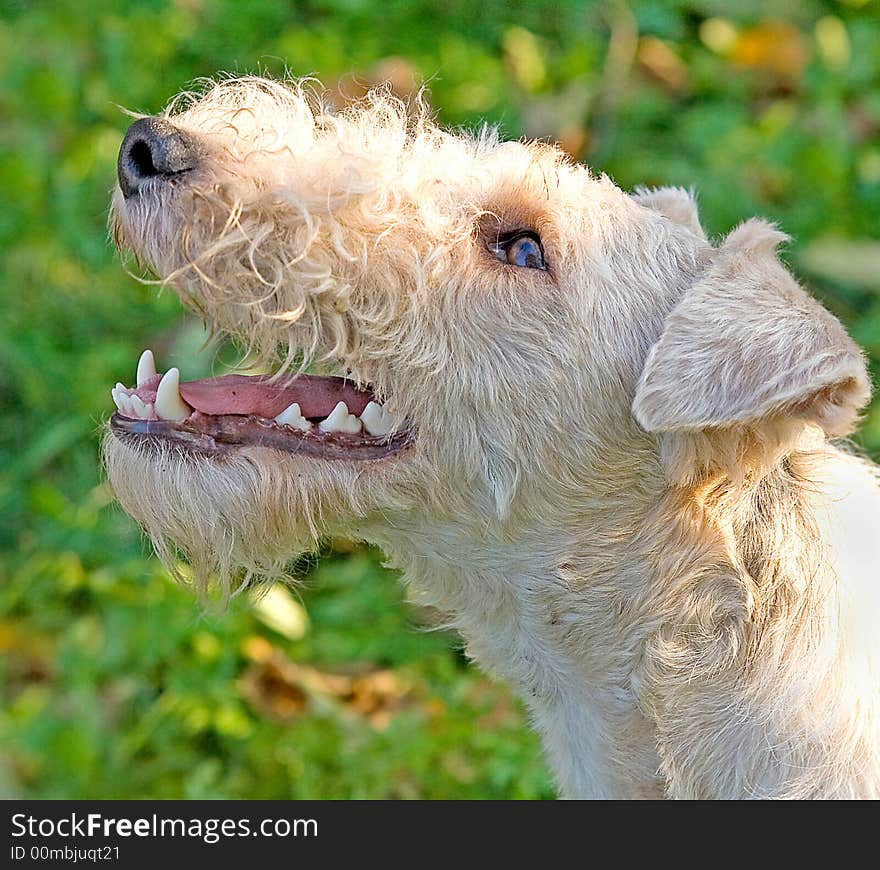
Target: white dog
x=595 y=440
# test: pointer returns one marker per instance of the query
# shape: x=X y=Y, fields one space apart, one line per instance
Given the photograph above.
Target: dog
x=597 y=442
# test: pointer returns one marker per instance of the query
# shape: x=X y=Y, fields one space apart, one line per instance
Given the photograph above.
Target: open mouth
x=314 y=415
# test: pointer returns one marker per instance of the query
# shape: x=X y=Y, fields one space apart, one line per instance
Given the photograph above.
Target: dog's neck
x=629 y=634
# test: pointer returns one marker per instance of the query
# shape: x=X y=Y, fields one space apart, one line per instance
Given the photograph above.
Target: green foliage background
x=113 y=683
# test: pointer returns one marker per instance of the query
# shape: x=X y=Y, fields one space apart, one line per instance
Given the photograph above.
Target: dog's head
x=491 y=308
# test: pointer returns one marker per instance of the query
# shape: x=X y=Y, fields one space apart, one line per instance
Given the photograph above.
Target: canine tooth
x=146 y=368
x=377 y=421
x=169 y=405
x=291 y=416
x=140 y=407
x=341 y=421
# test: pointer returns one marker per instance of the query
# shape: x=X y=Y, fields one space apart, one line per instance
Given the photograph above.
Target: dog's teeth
x=341 y=421
x=377 y=421
x=140 y=407
x=146 y=368
x=169 y=405
x=119 y=394
x=291 y=416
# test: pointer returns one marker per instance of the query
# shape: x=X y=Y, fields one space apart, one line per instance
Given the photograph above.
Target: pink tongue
x=256 y=394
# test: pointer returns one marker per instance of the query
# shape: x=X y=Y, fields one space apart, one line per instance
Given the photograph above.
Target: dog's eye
x=520 y=249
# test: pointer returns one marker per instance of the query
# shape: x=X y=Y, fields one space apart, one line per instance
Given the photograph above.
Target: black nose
x=153 y=148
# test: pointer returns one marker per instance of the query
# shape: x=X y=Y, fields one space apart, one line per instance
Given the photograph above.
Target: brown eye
x=521 y=249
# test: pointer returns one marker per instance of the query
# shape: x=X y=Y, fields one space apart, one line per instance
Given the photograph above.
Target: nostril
x=153 y=148
x=141 y=159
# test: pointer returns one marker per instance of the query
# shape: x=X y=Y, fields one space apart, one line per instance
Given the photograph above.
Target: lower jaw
x=211 y=434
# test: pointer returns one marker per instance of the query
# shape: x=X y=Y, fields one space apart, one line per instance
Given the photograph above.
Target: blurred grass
x=113 y=684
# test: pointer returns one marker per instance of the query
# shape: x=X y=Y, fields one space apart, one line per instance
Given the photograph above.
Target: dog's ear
x=747 y=357
x=676 y=203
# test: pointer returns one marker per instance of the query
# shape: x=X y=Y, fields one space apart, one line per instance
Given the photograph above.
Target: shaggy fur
x=622 y=492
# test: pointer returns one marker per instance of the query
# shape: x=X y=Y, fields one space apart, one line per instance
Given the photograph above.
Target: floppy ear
x=676 y=203
x=746 y=353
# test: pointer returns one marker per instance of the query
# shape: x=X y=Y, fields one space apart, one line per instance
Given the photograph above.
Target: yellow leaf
x=719 y=34
x=524 y=57
x=278 y=609
x=832 y=40
x=774 y=46
x=659 y=61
